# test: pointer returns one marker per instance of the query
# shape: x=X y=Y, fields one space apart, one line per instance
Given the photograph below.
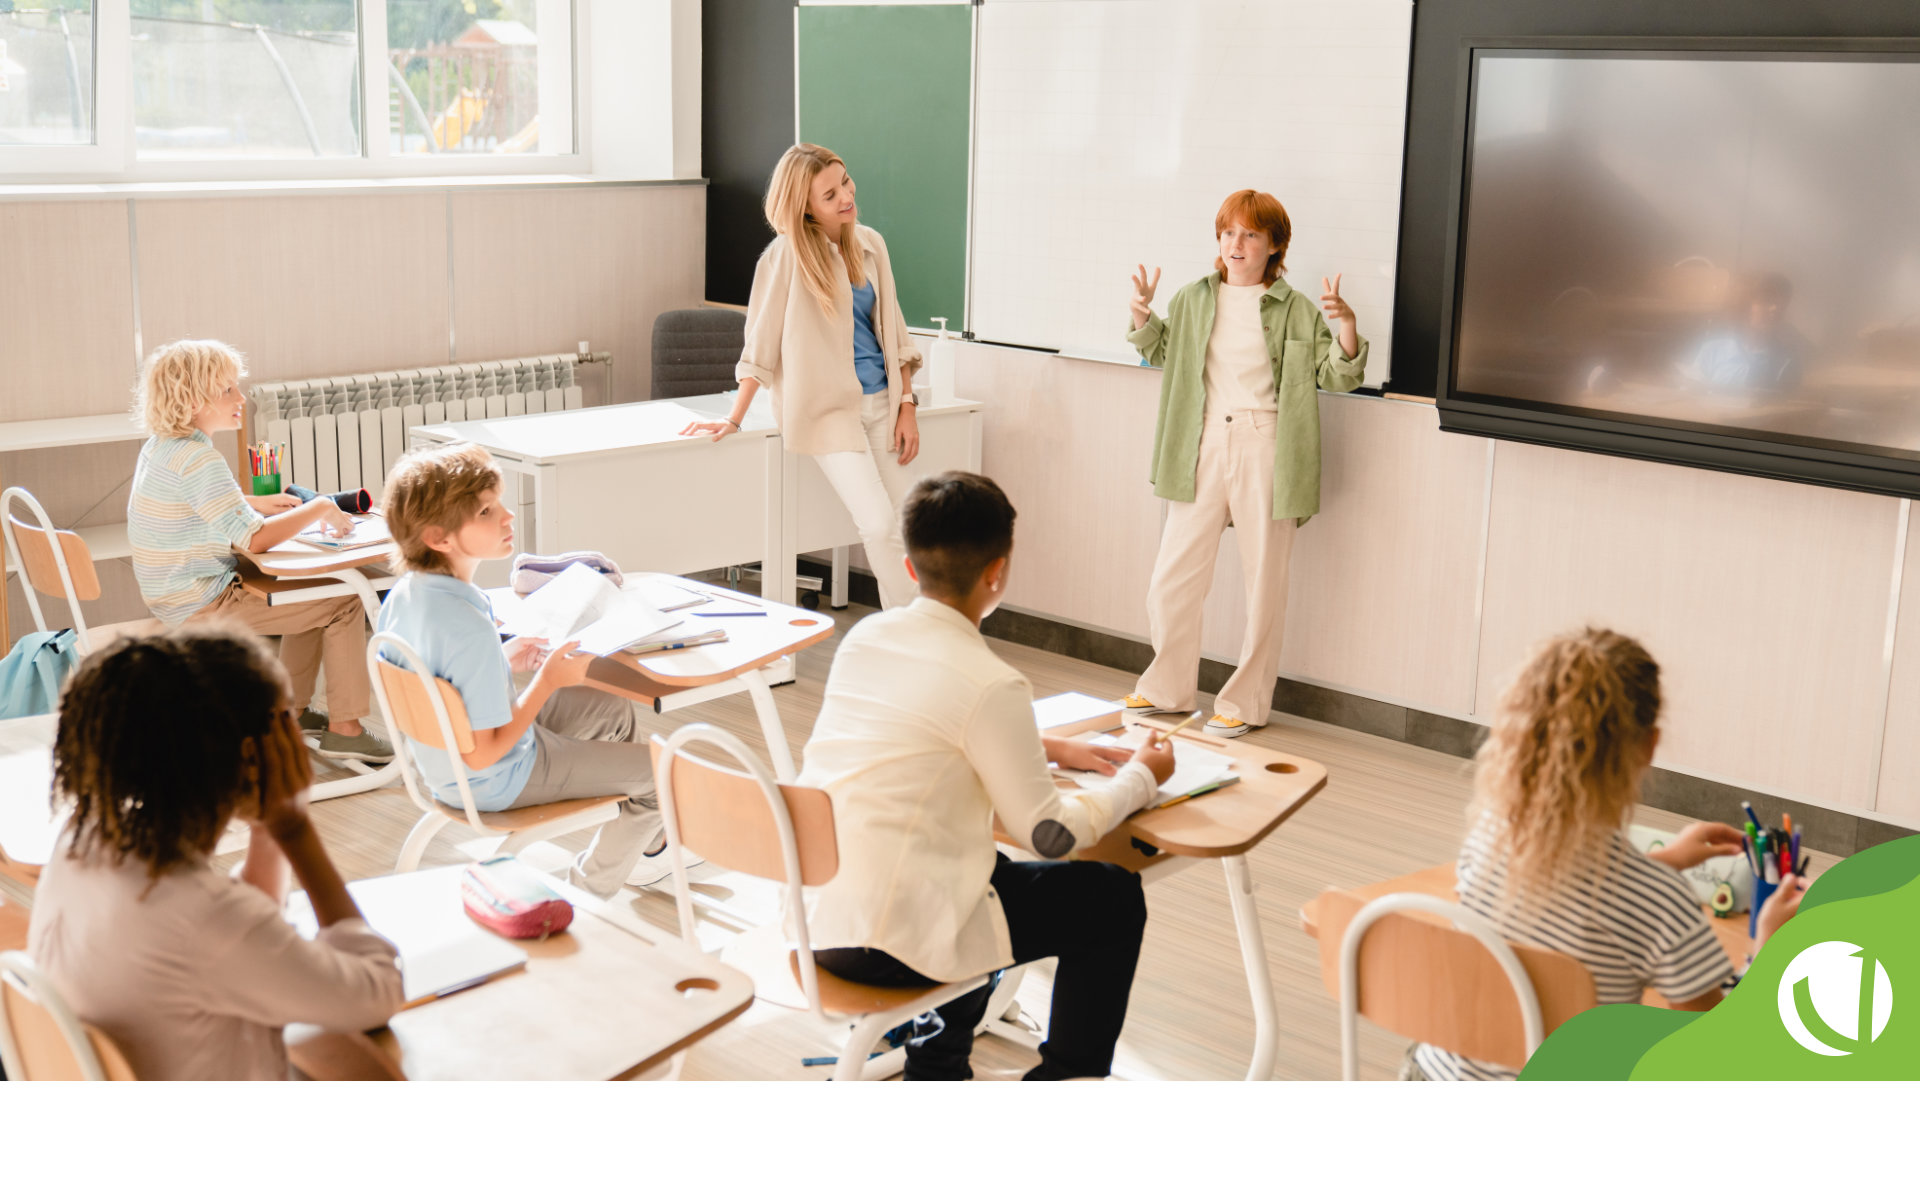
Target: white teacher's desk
x=621 y=480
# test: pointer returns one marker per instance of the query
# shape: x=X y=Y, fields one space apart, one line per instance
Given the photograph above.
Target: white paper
x=367 y=531
x=1195 y=768
x=664 y=596
x=441 y=949
x=581 y=604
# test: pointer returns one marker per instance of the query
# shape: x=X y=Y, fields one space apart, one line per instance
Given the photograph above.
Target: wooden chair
x=55 y=562
x=416 y=705
x=41 y=1038
x=743 y=820
x=1458 y=986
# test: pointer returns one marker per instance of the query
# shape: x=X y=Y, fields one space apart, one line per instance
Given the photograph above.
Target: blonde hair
x=178 y=378
x=1560 y=771
x=437 y=487
x=788 y=194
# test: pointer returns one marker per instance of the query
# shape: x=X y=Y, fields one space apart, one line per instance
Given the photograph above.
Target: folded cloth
x=533 y=571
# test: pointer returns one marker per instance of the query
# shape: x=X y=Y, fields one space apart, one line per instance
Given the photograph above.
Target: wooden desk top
x=1439 y=881
x=607 y=999
x=752 y=642
x=1273 y=786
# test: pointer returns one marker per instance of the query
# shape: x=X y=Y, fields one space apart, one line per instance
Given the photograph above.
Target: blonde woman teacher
x=825 y=334
x=1238 y=443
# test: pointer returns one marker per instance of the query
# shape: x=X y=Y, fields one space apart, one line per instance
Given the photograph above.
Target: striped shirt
x=184 y=517
x=1635 y=924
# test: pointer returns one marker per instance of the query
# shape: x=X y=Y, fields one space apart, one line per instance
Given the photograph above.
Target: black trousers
x=1088 y=915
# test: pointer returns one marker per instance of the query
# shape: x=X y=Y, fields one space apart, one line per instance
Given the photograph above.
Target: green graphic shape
x=1871 y=901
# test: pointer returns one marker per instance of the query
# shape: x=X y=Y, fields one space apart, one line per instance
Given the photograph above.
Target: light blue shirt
x=868 y=363
x=449 y=622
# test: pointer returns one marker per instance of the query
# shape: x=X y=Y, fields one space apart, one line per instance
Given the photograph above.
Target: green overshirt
x=1305 y=358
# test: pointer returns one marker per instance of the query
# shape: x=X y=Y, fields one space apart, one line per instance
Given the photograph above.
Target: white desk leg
x=364 y=779
x=782 y=525
x=546 y=532
x=841 y=561
x=1253 y=952
x=770 y=727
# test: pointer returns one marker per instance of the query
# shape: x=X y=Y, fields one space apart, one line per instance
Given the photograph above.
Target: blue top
x=868 y=363
x=450 y=623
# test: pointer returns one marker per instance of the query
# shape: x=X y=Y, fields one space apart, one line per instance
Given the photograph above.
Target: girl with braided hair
x=192 y=972
x=1547 y=859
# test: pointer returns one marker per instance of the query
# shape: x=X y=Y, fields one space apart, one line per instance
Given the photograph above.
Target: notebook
x=1196 y=769
x=1074 y=712
x=581 y=604
x=367 y=531
x=441 y=949
x=666 y=596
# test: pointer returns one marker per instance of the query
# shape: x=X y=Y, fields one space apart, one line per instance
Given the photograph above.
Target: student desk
x=1224 y=825
x=621 y=480
x=609 y=998
x=294 y=573
x=1439 y=882
x=28 y=828
x=752 y=658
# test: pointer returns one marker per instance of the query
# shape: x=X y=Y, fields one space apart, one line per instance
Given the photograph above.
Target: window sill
x=172 y=190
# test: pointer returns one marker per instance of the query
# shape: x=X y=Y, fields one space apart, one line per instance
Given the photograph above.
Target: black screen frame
x=1882 y=470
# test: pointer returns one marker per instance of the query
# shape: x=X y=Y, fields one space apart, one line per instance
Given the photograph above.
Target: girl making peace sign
x=1238 y=442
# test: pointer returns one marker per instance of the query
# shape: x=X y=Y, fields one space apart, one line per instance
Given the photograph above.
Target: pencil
x=1167 y=735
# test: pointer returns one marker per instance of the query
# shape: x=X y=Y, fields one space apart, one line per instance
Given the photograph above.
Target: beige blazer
x=925 y=735
x=804 y=355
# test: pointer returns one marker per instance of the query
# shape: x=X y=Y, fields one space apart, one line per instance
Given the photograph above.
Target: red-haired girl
x=1238 y=442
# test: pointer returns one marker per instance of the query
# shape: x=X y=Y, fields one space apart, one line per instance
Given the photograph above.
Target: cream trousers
x=1234 y=482
x=872 y=485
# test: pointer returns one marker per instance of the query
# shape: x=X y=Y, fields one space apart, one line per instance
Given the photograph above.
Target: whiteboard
x=1109 y=131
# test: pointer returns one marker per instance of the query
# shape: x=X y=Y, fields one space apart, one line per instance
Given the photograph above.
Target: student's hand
x=284 y=777
x=1779 y=909
x=338 y=524
x=1696 y=844
x=564 y=668
x=1156 y=755
x=1075 y=755
x=718 y=429
x=1143 y=289
x=1340 y=315
x=525 y=653
x=269 y=506
x=906 y=432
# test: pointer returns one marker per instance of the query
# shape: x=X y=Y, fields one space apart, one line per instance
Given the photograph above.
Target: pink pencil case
x=512 y=899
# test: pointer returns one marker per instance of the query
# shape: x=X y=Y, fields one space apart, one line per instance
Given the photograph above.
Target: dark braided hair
x=151 y=750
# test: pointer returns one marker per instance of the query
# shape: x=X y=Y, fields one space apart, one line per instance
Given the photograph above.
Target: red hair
x=1261 y=212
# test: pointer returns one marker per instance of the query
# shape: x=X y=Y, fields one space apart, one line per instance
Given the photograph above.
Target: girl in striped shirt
x=1547 y=858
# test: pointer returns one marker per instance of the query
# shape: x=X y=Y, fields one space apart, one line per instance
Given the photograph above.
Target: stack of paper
x=367 y=531
x=1196 y=769
x=582 y=605
x=1074 y=712
x=441 y=949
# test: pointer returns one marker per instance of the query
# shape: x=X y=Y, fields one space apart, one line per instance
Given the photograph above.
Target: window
x=245 y=79
x=136 y=90
x=46 y=74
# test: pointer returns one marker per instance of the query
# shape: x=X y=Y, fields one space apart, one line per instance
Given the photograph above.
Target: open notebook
x=367 y=531
x=581 y=604
x=1196 y=769
x=441 y=949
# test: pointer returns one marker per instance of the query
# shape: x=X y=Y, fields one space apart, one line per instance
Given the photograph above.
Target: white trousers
x=872 y=484
x=1234 y=482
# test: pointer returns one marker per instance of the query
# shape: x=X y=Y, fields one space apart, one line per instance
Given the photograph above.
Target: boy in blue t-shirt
x=554 y=739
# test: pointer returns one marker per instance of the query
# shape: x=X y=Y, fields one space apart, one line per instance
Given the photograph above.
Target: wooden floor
x=1388 y=808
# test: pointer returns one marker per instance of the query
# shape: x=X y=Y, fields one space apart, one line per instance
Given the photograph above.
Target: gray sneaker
x=312 y=722
x=364 y=747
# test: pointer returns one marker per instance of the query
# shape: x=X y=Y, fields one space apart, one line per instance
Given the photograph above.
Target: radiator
x=346 y=432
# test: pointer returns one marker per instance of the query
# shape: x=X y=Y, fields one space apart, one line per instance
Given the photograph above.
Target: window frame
x=111 y=158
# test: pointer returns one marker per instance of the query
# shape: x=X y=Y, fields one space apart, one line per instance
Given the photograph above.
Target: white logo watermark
x=1835 y=998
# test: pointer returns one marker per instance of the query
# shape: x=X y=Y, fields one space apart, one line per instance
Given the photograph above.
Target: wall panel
x=1899 y=795
x=66 y=312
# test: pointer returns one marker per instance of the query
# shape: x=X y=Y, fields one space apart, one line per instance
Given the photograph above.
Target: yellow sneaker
x=1139 y=706
x=1220 y=726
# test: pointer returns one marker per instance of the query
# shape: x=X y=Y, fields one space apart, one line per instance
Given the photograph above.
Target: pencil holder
x=266 y=485
x=1761 y=890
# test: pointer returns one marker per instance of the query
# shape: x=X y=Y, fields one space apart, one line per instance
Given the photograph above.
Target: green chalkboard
x=888 y=88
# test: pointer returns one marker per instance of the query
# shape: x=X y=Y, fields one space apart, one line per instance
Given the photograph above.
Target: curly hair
x=1560 y=770
x=178 y=378
x=434 y=487
x=152 y=745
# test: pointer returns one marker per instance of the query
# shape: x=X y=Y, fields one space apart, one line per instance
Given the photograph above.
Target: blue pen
x=1751 y=815
x=731 y=614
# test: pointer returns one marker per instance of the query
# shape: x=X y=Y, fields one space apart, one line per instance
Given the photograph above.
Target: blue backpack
x=31 y=675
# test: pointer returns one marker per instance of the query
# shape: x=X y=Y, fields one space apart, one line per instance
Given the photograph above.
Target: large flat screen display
x=1704 y=256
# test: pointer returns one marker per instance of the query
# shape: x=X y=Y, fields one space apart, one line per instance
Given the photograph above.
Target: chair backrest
x=53 y=562
x=42 y=1039
x=744 y=820
x=1459 y=986
x=695 y=351
x=418 y=705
